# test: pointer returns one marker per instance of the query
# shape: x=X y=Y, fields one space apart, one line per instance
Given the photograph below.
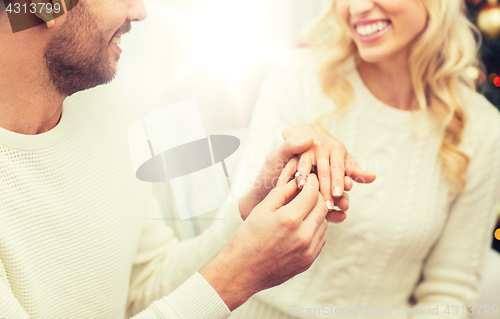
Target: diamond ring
x=300 y=176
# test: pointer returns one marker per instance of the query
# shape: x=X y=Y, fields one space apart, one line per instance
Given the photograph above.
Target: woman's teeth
x=117 y=40
x=366 y=30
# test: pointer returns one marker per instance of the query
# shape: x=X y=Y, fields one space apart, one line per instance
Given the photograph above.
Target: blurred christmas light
x=492 y=77
x=472 y=72
x=488 y=21
x=496 y=81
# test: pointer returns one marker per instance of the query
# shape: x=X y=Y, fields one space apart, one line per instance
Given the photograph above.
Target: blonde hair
x=438 y=61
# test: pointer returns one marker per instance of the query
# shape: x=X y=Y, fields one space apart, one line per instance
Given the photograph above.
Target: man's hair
x=2 y=10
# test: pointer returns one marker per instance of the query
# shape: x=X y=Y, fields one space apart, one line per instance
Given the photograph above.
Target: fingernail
x=302 y=183
x=329 y=204
x=337 y=191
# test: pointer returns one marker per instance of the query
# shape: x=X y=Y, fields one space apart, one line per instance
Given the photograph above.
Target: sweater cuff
x=197 y=299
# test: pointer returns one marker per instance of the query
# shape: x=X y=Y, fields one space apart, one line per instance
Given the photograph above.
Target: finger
x=337 y=170
x=305 y=164
x=343 y=202
x=336 y=216
x=289 y=171
x=316 y=216
x=319 y=239
x=325 y=181
x=279 y=196
x=358 y=174
x=301 y=205
x=347 y=183
x=292 y=147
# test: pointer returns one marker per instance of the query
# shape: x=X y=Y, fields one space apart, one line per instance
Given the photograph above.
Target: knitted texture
x=81 y=237
x=404 y=238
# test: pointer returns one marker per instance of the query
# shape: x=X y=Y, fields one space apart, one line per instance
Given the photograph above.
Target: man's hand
x=274 y=244
x=270 y=173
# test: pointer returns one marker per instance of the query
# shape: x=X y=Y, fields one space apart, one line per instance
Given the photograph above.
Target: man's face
x=83 y=51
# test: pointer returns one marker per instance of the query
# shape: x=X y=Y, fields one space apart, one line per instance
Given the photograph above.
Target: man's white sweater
x=81 y=237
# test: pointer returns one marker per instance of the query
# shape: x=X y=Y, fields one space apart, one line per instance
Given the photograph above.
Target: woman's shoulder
x=294 y=74
x=301 y=64
x=300 y=70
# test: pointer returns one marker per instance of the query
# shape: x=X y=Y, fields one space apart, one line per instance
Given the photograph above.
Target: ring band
x=299 y=174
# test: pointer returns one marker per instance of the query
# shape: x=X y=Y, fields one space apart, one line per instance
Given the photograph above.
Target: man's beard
x=77 y=57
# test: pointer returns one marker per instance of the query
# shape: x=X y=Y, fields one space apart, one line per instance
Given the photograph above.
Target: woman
x=385 y=80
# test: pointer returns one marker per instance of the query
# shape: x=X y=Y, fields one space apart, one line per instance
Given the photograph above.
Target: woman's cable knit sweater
x=405 y=239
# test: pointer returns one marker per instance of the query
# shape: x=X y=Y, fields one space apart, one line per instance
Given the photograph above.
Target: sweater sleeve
x=9 y=305
x=279 y=105
x=164 y=276
x=452 y=271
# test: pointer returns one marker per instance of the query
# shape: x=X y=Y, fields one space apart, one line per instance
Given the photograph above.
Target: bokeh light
x=496 y=81
x=472 y=72
x=492 y=77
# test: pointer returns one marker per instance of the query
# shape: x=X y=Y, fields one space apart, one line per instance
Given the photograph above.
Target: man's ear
x=48 y=10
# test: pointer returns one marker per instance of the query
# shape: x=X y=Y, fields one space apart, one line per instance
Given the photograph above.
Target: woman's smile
x=370 y=31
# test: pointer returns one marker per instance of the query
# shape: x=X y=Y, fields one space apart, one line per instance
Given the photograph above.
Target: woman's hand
x=336 y=168
x=270 y=173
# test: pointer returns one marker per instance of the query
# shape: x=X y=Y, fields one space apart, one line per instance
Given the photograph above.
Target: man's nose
x=136 y=10
x=360 y=8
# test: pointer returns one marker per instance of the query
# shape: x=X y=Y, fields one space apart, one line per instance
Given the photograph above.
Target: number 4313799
x=33 y=8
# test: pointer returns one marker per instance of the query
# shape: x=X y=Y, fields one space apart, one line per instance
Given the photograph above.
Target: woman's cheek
x=343 y=11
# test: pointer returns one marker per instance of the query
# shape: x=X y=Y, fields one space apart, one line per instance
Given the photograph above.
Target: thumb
x=301 y=205
x=279 y=196
x=356 y=173
x=362 y=176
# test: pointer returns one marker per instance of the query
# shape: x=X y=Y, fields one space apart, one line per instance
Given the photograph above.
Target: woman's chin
x=382 y=54
x=374 y=54
x=373 y=57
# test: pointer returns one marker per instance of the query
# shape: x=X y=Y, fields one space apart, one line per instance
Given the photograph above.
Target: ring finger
x=304 y=167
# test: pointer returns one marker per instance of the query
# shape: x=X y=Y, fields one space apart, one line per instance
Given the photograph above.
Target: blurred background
x=220 y=51
x=217 y=51
x=486 y=15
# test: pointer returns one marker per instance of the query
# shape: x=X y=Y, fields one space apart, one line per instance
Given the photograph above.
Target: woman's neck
x=389 y=81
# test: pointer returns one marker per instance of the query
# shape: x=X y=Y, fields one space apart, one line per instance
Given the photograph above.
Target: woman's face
x=383 y=29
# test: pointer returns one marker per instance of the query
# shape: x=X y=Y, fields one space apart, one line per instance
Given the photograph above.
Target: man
x=78 y=235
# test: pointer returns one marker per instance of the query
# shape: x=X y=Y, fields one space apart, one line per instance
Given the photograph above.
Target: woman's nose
x=360 y=8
